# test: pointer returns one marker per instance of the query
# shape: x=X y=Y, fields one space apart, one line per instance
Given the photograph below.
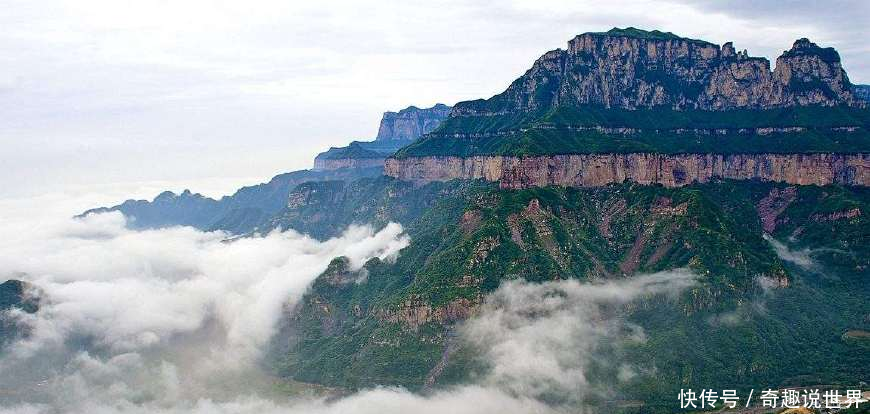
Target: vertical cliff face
x=592 y=170
x=411 y=123
x=631 y=69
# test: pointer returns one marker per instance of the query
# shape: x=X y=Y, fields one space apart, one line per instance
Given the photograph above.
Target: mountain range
x=629 y=152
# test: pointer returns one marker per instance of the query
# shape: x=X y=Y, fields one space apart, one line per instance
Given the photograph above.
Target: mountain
x=631 y=152
x=632 y=69
x=411 y=123
x=396 y=130
x=251 y=207
x=654 y=107
x=14 y=295
x=240 y=213
x=468 y=237
x=861 y=92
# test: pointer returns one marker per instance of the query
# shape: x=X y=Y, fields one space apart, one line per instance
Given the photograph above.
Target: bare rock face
x=774 y=204
x=411 y=123
x=670 y=170
x=415 y=312
x=810 y=75
x=632 y=69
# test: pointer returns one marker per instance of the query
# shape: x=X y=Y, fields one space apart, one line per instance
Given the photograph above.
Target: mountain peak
x=632 y=69
x=804 y=47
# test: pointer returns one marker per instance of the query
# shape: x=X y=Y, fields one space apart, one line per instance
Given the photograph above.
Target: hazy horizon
x=209 y=97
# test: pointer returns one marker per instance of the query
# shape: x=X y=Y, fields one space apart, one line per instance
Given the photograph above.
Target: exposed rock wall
x=631 y=69
x=670 y=170
x=415 y=312
x=411 y=123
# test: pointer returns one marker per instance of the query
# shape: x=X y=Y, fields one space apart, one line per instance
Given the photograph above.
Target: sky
x=130 y=97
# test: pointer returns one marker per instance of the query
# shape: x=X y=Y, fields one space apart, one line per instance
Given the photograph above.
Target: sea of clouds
x=178 y=320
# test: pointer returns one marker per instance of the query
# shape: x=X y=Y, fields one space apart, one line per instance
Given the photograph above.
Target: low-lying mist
x=178 y=320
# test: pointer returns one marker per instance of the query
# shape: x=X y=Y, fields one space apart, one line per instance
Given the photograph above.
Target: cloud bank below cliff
x=152 y=315
x=177 y=320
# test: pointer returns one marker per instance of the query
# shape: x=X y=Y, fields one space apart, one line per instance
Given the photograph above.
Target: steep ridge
x=629 y=93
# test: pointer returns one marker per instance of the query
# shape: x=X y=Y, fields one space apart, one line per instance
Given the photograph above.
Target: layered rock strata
x=670 y=170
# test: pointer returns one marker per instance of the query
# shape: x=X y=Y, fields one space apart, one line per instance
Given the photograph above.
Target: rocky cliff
x=631 y=69
x=655 y=108
x=411 y=123
x=670 y=170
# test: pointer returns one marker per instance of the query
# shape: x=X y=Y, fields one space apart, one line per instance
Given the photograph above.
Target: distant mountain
x=397 y=130
x=357 y=154
x=239 y=213
x=861 y=92
x=411 y=123
x=251 y=207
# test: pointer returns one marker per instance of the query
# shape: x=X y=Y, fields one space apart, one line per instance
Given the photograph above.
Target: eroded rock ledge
x=670 y=170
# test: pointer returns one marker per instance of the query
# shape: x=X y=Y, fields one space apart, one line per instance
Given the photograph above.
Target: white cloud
x=802 y=258
x=541 y=338
x=120 y=304
x=176 y=320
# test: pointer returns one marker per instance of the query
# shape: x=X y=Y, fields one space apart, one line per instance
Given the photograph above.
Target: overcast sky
x=213 y=94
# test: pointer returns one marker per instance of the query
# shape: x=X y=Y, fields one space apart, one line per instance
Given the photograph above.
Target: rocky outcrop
x=670 y=170
x=415 y=312
x=773 y=205
x=632 y=69
x=411 y=123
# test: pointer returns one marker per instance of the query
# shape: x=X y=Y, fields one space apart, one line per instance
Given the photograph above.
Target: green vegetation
x=572 y=130
x=644 y=34
x=538 y=142
x=468 y=237
x=362 y=150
